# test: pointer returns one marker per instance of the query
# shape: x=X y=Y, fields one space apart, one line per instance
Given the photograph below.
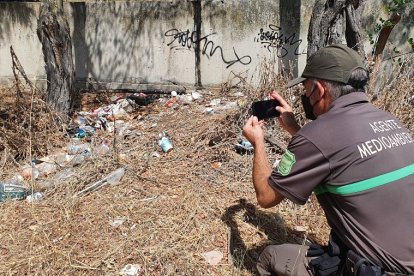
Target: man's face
x=310 y=87
x=319 y=96
x=315 y=95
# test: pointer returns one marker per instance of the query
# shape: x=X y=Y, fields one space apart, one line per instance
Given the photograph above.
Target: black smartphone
x=265 y=109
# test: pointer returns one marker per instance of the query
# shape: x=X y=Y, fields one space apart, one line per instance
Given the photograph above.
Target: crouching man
x=359 y=162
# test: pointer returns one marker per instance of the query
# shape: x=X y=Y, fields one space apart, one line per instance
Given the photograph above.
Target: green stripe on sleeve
x=366 y=184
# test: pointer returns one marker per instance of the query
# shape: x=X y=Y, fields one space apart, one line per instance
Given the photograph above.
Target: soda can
x=165 y=144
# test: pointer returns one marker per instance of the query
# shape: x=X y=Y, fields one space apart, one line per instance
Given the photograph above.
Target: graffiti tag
x=274 y=40
x=190 y=40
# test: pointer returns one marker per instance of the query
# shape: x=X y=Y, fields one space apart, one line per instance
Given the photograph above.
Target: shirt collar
x=349 y=99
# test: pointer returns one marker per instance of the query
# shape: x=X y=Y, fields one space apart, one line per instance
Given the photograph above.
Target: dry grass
x=28 y=127
x=194 y=199
x=396 y=95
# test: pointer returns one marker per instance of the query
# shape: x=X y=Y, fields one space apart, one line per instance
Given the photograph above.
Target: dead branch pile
x=28 y=127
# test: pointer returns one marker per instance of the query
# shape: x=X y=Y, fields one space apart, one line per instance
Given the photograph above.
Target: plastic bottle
x=65 y=174
x=29 y=172
x=185 y=99
x=80 y=133
x=77 y=149
x=196 y=96
x=173 y=99
x=11 y=191
x=46 y=168
x=35 y=197
x=77 y=160
x=165 y=143
x=114 y=177
x=174 y=96
x=89 y=130
x=244 y=147
x=102 y=149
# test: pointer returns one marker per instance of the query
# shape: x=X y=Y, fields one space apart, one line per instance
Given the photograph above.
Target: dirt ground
x=167 y=211
x=170 y=211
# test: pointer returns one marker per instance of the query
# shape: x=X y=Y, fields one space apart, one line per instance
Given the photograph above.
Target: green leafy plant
x=392 y=7
x=397 y=6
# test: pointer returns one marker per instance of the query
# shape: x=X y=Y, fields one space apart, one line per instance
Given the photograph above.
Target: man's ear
x=321 y=89
x=325 y=97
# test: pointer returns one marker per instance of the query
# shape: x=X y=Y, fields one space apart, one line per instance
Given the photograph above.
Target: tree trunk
x=335 y=21
x=53 y=32
x=385 y=33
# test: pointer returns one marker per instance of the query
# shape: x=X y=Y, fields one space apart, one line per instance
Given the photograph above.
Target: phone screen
x=265 y=109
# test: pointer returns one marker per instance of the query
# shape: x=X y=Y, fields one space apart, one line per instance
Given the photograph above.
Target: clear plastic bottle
x=115 y=177
x=78 y=149
x=35 y=197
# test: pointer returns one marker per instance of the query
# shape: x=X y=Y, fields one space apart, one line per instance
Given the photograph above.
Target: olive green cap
x=334 y=63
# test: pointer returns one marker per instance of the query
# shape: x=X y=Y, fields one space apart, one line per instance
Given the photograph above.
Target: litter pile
x=138 y=186
x=147 y=183
x=101 y=131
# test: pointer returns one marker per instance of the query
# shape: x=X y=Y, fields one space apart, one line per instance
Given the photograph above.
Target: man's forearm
x=266 y=195
x=293 y=129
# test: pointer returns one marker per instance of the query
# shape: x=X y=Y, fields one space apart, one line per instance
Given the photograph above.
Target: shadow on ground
x=268 y=223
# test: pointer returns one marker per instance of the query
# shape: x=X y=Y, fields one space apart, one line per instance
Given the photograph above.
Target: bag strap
x=354 y=262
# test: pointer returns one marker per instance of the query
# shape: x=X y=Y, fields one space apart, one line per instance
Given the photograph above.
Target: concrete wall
x=156 y=42
x=143 y=43
x=18 y=23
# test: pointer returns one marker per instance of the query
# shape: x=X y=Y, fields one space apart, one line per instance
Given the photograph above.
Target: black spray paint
x=274 y=40
x=189 y=39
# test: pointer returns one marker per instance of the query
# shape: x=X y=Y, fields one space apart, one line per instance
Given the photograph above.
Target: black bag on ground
x=325 y=265
x=329 y=260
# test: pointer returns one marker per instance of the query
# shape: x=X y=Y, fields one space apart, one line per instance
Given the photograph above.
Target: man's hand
x=287 y=118
x=266 y=196
x=253 y=130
